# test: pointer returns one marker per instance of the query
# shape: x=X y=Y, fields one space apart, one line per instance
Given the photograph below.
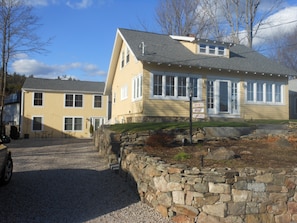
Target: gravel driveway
x=64 y=180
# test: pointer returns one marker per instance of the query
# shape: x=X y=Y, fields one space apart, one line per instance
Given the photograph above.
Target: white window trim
x=207 y=49
x=124 y=92
x=94 y=101
x=176 y=75
x=38 y=106
x=73 y=106
x=72 y=130
x=273 y=102
x=138 y=79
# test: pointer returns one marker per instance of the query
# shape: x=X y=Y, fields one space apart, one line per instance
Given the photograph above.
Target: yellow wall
x=53 y=112
x=122 y=108
x=128 y=110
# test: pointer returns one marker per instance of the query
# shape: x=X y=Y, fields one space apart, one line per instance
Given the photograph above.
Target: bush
x=181 y=156
x=160 y=140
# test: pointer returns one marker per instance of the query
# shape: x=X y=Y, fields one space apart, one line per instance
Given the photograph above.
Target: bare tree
x=177 y=17
x=246 y=17
x=285 y=50
x=18 y=27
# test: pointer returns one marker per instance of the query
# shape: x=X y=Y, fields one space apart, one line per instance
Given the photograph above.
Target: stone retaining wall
x=204 y=195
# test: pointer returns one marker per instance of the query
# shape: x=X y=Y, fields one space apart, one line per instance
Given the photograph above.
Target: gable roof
x=160 y=48
x=56 y=85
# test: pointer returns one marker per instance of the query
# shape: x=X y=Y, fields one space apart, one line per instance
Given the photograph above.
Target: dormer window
x=211 y=49
x=221 y=50
x=202 y=48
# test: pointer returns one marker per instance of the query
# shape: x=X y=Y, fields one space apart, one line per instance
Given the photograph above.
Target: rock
x=220 y=154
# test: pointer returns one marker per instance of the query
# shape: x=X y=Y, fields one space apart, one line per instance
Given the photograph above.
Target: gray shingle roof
x=40 y=84
x=161 y=48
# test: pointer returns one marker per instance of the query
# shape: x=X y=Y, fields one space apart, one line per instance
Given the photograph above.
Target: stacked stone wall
x=218 y=195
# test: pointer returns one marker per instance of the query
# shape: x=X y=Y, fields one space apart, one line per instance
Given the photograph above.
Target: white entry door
x=222 y=97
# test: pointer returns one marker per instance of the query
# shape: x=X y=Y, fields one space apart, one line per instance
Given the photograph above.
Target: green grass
x=154 y=126
x=181 y=156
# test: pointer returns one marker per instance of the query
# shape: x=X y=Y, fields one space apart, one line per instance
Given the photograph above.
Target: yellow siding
x=123 y=108
x=53 y=112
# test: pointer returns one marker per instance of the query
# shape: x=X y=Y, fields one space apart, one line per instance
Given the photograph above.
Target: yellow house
x=152 y=77
x=62 y=108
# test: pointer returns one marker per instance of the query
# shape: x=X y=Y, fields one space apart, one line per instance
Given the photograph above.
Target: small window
x=38 y=99
x=202 y=48
x=127 y=55
x=212 y=49
x=221 y=50
x=123 y=59
x=137 y=87
x=78 y=100
x=97 y=101
x=157 y=84
x=69 y=100
x=124 y=92
x=37 y=124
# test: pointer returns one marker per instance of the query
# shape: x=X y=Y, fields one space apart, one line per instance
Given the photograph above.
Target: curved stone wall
x=206 y=195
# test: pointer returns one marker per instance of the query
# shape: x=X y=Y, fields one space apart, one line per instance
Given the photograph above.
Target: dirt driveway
x=64 y=180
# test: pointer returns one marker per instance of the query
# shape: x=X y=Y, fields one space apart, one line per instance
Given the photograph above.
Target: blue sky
x=83 y=34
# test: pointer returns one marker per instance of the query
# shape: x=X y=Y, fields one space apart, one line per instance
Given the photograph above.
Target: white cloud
x=37 y=2
x=82 y=4
x=81 y=71
x=279 y=24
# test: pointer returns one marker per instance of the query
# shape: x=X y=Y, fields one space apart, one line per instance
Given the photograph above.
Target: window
x=169 y=86
x=194 y=86
x=278 y=93
x=261 y=92
x=78 y=100
x=221 y=50
x=123 y=59
x=72 y=124
x=38 y=99
x=250 y=91
x=174 y=86
x=137 y=87
x=72 y=100
x=124 y=92
x=37 y=124
x=182 y=86
x=210 y=94
x=202 y=48
x=69 y=100
x=158 y=85
x=212 y=49
x=269 y=92
x=127 y=55
x=97 y=101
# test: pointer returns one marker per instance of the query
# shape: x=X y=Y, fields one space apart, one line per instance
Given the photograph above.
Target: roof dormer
x=205 y=47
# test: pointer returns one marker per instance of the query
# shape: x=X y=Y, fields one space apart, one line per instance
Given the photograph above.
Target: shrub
x=160 y=140
x=181 y=156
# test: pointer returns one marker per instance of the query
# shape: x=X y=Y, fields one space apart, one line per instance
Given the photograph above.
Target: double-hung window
x=169 y=85
x=38 y=99
x=182 y=86
x=37 y=123
x=74 y=100
x=137 y=87
x=97 y=101
x=72 y=124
